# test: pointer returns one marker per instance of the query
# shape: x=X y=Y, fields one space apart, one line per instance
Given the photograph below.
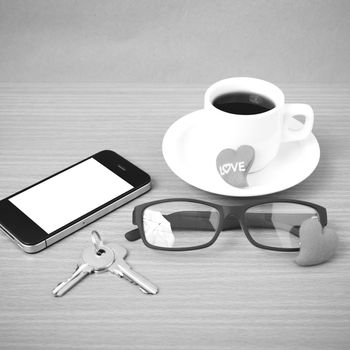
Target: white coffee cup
x=264 y=131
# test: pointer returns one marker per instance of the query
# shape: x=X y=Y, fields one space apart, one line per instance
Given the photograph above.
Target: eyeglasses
x=187 y=224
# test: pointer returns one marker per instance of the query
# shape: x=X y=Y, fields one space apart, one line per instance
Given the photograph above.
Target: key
x=80 y=273
x=101 y=258
x=123 y=269
x=93 y=261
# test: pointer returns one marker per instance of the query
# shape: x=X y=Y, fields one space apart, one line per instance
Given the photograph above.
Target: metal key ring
x=96 y=240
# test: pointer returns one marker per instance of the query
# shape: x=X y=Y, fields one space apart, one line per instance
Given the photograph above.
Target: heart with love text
x=233 y=166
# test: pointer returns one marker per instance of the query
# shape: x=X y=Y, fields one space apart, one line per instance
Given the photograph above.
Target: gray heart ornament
x=317 y=244
x=233 y=166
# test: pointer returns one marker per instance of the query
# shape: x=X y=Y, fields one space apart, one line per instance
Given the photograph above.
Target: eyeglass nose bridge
x=233 y=210
x=232 y=216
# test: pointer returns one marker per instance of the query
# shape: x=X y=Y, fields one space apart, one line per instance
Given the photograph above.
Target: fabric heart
x=317 y=244
x=233 y=166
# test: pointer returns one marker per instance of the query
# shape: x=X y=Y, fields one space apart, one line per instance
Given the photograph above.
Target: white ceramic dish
x=183 y=152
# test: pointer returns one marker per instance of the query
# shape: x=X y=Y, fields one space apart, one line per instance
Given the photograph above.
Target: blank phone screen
x=69 y=195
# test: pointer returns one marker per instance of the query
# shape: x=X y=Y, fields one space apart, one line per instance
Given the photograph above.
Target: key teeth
x=59 y=283
x=143 y=290
x=134 y=283
x=55 y=291
x=128 y=279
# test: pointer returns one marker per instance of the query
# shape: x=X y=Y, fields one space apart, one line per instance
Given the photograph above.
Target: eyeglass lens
x=180 y=224
x=277 y=224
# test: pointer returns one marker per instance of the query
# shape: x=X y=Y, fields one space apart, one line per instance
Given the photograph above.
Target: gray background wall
x=174 y=41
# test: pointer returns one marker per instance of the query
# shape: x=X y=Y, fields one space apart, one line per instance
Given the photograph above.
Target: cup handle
x=292 y=110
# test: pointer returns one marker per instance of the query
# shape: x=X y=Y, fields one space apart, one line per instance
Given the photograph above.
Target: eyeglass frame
x=225 y=211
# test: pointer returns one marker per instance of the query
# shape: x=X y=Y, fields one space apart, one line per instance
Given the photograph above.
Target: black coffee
x=243 y=103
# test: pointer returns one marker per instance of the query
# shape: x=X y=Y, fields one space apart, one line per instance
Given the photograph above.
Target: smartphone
x=44 y=213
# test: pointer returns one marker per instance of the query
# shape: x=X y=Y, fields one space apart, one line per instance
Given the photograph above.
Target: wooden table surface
x=229 y=296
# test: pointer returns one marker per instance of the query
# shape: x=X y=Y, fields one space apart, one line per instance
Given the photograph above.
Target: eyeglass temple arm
x=189 y=220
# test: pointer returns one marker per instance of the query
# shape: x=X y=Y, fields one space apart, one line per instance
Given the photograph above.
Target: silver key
x=101 y=258
x=93 y=261
x=123 y=269
x=63 y=287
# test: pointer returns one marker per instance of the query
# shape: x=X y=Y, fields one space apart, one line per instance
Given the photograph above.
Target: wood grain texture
x=229 y=296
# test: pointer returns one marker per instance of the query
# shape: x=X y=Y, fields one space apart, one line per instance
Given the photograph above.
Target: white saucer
x=293 y=164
